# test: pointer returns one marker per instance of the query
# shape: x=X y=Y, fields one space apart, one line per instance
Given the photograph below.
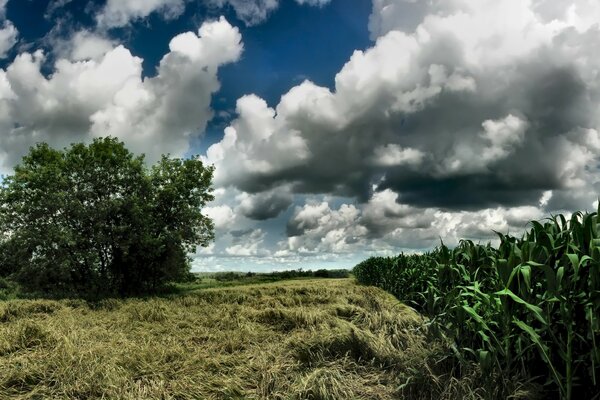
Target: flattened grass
x=307 y=339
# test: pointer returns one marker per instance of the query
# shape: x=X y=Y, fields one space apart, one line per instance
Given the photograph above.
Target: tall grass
x=304 y=339
x=529 y=308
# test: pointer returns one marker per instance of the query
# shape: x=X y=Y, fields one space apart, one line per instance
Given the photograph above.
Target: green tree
x=93 y=219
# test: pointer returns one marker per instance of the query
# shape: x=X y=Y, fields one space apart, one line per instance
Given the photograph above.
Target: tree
x=93 y=219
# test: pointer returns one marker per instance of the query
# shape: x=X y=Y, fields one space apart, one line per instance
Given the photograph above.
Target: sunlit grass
x=302 y=339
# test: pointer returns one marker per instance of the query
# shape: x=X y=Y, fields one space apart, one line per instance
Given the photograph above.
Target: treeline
x=94 y=220
x=281 y=275
x=527 y=310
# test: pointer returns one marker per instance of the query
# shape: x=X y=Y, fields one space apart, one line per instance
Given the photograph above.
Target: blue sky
x=339 y=129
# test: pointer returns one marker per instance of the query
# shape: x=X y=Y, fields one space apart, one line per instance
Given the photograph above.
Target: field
x=298 y=339
x=525 y=310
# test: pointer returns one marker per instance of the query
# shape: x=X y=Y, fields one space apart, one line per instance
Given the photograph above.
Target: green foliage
x=94 y=220
x=530 y=307
x=280 y=275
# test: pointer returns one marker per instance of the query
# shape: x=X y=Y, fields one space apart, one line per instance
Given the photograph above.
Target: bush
x=227 y=276
x=4 y=284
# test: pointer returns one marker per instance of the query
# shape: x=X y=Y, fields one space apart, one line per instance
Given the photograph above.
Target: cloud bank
x=464 y=116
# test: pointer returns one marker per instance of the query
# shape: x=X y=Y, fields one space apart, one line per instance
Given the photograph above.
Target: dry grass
x=310 y=339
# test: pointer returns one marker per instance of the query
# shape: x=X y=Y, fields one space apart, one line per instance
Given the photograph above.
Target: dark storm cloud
x=553 y=100
x=549 y=96
x=266 y=205
x=240 y=233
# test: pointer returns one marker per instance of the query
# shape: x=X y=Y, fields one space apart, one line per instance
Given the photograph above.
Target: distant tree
x=93 y=219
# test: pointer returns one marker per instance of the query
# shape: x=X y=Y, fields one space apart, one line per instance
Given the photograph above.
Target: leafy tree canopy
x=95 y=220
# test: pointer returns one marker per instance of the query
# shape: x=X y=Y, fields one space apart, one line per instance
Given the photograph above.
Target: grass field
x=305 y=339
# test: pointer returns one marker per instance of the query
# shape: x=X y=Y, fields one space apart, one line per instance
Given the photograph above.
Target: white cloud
x=384 y=213
x=253 y=12
x=499 y=139
x=546 y=196
x=316 y=228
x=580 y=13
x=8 y=38
x=253 y=145
x=249 y=244
x=393 y=155
x=117 y=13
x=222 y=216
x=452 y=226
x=87 y=45
x=313 y=122
x=107 y=95
x=81 y=45
x=385 y=225
x=502 y=135
x=3 y=9
x=157 y=115
x=8 y=33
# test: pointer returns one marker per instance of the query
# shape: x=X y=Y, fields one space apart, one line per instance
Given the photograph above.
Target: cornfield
x=528 y=309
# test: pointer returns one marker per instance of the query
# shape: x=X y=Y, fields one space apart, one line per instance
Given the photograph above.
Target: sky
x=339 y=129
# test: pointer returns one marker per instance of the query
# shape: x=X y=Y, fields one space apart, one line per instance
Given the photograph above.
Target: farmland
x=517 y=320
x=527 y=309
x=302 y=339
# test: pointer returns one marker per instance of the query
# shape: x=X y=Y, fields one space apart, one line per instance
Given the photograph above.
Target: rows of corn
x=528 y=309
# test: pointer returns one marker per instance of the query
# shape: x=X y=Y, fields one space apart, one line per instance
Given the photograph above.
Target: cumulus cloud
x=382 y=214
x=266 y=205
x=106 y=94
x=8 y=33
x=82 y=45
x=316 y=228
x=466 y=96
x=384 y=225
x=393 y=155
x=8 y=38
x=3 y=8
x=118 y=13
x=499 y=139
x=221 y=215
x=252 y=145
x=246 y=243
x=87 y=45
x=253 y=12
x=463 y=117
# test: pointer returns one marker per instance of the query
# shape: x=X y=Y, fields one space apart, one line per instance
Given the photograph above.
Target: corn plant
x=530 y=307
